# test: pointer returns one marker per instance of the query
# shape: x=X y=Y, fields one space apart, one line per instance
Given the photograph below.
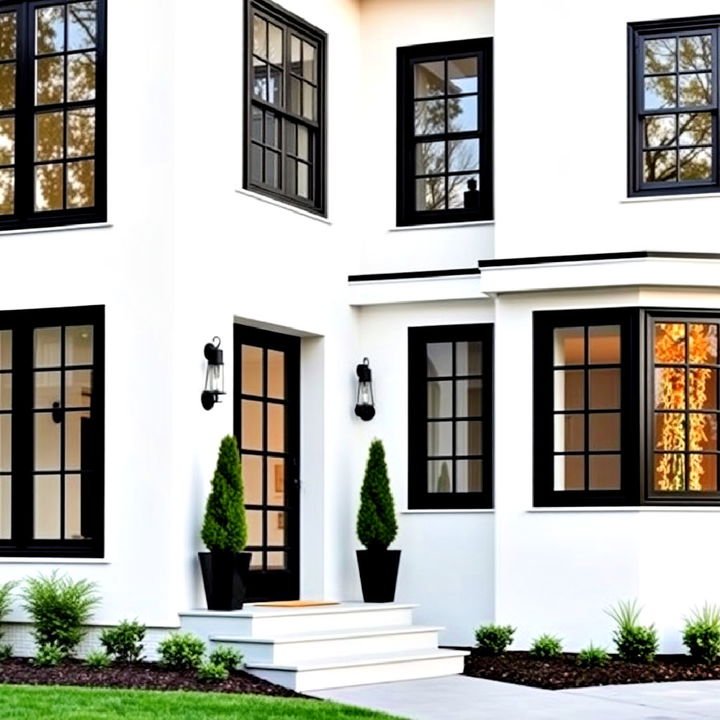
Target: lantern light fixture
x=214 y=376
x=365 y=402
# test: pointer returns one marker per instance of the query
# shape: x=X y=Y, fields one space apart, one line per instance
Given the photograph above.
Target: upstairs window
x=445 y=132
x=52 y=113
x=674 y=106
x=285 y=105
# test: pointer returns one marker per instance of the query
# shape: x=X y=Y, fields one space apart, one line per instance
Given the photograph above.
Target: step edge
x=297 y=612
x=329 y=635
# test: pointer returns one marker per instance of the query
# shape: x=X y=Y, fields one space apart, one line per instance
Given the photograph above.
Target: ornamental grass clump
x=123 y=643
x=376 y=522
x=60 y=608
x=635 y=643
x=494 y=639
x=225 y=523
x=592 y=656
x=5 y=605
x=546 y=647
x=701 y=634
x=98 y=660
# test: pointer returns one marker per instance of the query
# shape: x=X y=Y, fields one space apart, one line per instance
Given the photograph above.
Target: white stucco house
x=509 y=207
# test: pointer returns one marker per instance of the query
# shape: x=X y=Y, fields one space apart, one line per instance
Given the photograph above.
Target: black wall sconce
x=214 y=376
x=365 y=403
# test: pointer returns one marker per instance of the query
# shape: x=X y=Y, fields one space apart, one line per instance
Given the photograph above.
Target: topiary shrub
x=5 y=601
x=212 y=672
x=59 y=608
x=124 y=642
x=181 y=651
x=592 y=656
x=701 y=634
x=376 y=523
x=494 y=639
x=546 y=646
x=228 y=657
x=635 y=643
x=225 y=524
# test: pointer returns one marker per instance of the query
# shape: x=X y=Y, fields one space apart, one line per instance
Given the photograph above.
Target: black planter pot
x=225 y=578
x=378 y=574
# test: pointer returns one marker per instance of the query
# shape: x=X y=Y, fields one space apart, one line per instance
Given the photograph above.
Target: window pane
x=47 y=389
x=260 y=88
x=439 y=359
x=569 y=344
x=274 y=85
x=604 y=431
x=439 y=438
x=462 y=114
x=272 y=130
x=50 y=29
x=81 y=132
x=703 y=473
x=276 y=427
x=463 y=155
x=660 y=55
x=252 y=467
x=695 y=52
x=78 y=440
x=81 y=77
x=276 y=481
x=5 y=507
x=7 y=192
x=569 y=472
x=259 y=37
x=604 y=472
x=7 y=86
x=604 y=389
x=702 y=390
x=430 y=117
x=460 y=193
x=430 y=158
x=295 y=55
x=50 y=80
x=276 y=374
x=703 y=343
x=47 y=347
x=670 y=388
x=47 y=442
x=669 y=472
x=73 y=499
x=47 y=507
x=468 y=437
x=82 y=25
x=303 y=142
x=251 y=437
x=303 y=180
x=5 y=443
x=256 y=163
x=669 y=431
x=81 y=184
x=308 y=101
x=8 y=36
x=272 y=168
x=256 y=125
x=695 y=129
x=439 y=399
x=569 y=433
x=430 y=194
x=695 y=89
x=78 y=388
x=49 y=136
x=276 y=560
x=255 y=527
x=49 y=187
x=703 y=431
x=429 y=79
x=79 y=345
x=670 y=342
x=468 y=398
x=295 y=96
x=660 y=92
x=251 y=370
x=6 y=391
x=440 y=478
x=660 y=166
x=569 y=389
x=5 y=349
x=468 y=358
x=468 y=476
x=462 y=76
x=309 y=62
x=604 y=344
x=660 y=130
x=275 y=44
x=696 y=164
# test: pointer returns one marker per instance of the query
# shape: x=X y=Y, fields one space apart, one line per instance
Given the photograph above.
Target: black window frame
x=25 y=216
x=21 y=544
x=289 y=22
x=637 y=33
x=407 y=214
x=637 y=408
x=418 y=495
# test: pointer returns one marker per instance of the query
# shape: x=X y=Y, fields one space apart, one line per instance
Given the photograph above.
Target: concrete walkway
x=464 y=698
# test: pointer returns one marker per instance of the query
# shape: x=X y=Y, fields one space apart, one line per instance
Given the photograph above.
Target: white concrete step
x=361 y=669
x=301 y=647
x=263 y=621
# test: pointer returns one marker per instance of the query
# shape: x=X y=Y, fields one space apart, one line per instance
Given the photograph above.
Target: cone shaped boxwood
x=225 y=525
x=376 y=523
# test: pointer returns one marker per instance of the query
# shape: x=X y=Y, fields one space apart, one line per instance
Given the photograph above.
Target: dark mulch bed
x=141 y=676
x=522 y=669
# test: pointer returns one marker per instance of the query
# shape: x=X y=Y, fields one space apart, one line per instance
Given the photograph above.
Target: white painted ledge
x=628 y=509
x=58 y=228
x=283 y=206
x=441 y=226
x=450 y=511
x=53 y=561
x=405 y=290
x=665 y=198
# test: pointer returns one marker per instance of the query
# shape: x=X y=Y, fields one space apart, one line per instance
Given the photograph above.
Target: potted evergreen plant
x=376 y=529
x=224 y=532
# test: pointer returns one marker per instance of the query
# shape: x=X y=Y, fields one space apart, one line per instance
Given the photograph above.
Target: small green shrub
x=635 y=643
x=49 y=655
x=124 y=642
x=701 y=634
x=546 y=646
x=212 y=672
x=6 y=652
x=592 y=656
x=494 y=639
x=376 y=525
x=59 y=608
x=229 y=658
x=181 y=651
x=5 y=600
x=98 y=660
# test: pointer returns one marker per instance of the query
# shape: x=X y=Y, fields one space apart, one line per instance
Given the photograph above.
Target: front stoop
x=320 y=647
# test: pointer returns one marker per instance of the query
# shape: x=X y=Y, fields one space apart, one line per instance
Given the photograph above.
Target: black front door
x=267 y=427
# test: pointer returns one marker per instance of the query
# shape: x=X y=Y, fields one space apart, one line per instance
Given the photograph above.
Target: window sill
x=663 y=198
x=52 y=561
x=441 y=226
x=57 y=228
x=626 y=509
x=284 y=206
x=449 y=511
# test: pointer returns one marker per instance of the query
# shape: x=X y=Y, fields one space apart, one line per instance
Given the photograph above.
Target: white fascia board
x=410 y=290
x=663 y=272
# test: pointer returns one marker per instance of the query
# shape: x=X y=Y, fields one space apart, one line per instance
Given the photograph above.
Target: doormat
x=295 y=603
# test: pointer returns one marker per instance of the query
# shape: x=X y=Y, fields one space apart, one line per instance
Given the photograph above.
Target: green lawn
x=22 y=702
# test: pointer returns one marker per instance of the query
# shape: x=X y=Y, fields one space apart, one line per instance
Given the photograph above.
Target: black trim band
x=638 y=254
x=415 y=274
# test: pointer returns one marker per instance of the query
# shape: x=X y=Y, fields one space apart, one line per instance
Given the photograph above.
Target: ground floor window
x=51 y=432
x=626 y=407
x=450 y=413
